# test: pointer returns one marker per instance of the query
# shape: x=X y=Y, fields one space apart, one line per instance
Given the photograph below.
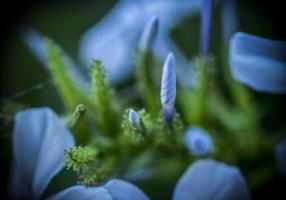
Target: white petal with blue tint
x=258 y=62
x=115 y=41
x=211 y=180
x=39 y=141
x=112 y=190
x=198 y=141
x=280 y=155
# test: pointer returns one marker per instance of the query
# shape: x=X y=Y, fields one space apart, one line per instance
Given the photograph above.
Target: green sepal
x=71 y=93
x=106 y=107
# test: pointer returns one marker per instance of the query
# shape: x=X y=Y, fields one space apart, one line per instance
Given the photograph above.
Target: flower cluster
x=187 y=124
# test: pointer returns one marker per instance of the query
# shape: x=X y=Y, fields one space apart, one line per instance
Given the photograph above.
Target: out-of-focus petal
x=258 y=62
x=112 y=190
x=280 y=155
x=198 y=141
x=115 y=41
x=229 y=19
x=83 y=193
x=39 y=141
x=122 y=190
x=211 y=180
x=171 y=12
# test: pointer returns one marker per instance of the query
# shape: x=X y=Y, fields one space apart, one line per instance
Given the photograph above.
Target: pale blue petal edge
x=280 y=156
x=114 y=189
x=258 y=62
x=83 y=193
x=122 y=190
x=115 y=41
x=170 y=12
x=211 y=180
x=39 y=141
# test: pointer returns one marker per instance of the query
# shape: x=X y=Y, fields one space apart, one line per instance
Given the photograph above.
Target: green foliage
x=193 y=102
x=71 y=93
x=113 y=145
x=83 y=161
x=79 y=158
x=77 y=122
x=145 y=68
x=107 y=109
x=74 y=120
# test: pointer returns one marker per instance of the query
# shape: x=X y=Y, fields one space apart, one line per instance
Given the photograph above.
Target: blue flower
x=168 y=87
x=115 y=41
x=280 y=155
x=39 y=141
x=211 y=180
x=258 y=62
x=198 y=141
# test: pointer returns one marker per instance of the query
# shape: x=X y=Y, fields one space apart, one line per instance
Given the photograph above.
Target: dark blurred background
x=65 y=21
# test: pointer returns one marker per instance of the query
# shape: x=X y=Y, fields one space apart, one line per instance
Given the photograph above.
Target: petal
x=258 y=63
x=107 y=41
x=115 y=41
x=122 y=190
x=211 y=180
x=198 y=141
x=39 y=141
x=112 y=190
x=170 y=12
x=280 y=155
x=229 y=19
x=83 y=193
